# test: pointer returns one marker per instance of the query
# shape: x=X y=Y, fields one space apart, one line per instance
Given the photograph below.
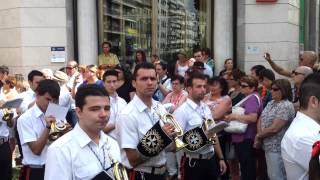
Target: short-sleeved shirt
x=190 y=115
x=251 y=105
x=4 y=129
x=74 y=156
x=111 y=59
x=28 y=97
x=117 y=104
x=296 y=146
x=282 y=110
x=133 y=123
x=31 y=125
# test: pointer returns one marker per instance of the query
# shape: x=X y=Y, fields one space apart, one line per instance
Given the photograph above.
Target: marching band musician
x=110 y=81
x=142 y=138
x=85 y=152
x=198 y=161
x=34 y=128
x=5 y=150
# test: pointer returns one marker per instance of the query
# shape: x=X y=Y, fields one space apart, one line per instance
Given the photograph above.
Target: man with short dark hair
x=297 y=142
x=29 y=96
x=143 y=137
x=199 y=160
x=34 y=128
x=206 y=53
x=164 y=82
x=197 y=55
x=107 y=59
x=117 y=104
x=85 y=152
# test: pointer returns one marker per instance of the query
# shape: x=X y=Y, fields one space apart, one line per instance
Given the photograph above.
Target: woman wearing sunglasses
x=243 y=142
x=274 y=121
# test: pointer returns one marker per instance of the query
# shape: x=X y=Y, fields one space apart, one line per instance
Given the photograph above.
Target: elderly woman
x=243 y=142
x=274 y=121
x=178 y=95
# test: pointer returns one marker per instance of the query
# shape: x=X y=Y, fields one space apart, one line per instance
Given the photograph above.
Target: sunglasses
x=297 y=73
x=69 y=67
x=275 y=89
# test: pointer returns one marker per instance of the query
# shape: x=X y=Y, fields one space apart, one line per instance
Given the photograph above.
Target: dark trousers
x=136 y=175
x=28 y=173
x=223 y=141
x=192 y=169
x=246 y=156
x=5 y=161
x=72 y=118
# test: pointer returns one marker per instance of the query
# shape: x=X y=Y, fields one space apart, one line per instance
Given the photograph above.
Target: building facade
x=37 y=34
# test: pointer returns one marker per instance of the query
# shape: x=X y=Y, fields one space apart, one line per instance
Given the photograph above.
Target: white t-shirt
x=296 y=146
x=75 y=156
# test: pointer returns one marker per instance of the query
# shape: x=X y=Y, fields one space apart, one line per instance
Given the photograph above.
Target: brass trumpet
x=118 y=170
x=168 y=118
x=7 y=114
x=205 y=126
x=57 y=130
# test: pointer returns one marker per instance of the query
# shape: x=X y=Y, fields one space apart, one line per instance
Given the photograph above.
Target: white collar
x=193 y=105
x=36 y=110
x=140 y=104
x=83 y=139
x=312 y=123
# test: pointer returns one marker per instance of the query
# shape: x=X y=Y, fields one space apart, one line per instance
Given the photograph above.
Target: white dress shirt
x=28 y=97
x=4 y=129
x=31 y=125
x=190 y=116
x=117 y=104
x=133 y=123
x=75 y=156
x=70 y=86
x=65 y=98
x=296 y=146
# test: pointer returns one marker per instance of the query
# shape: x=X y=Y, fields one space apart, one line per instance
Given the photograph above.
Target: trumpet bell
x=119 y=172
x=57 y=130
x=7 y=114
x=179 y=144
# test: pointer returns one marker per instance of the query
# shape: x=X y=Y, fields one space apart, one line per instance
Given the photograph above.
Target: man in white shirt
x=5 y=151
x=75 y=79
x=198 y=161
x=110 y=81
x=197 y=55
x=34 y=128
x=142 y=137
x=29 y=96
x=164 y=82
x=85 y=152
x=296 y=145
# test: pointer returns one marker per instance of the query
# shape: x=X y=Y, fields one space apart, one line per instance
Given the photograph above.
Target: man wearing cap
x=197 y=54
x=65 y=98
x=107 y=59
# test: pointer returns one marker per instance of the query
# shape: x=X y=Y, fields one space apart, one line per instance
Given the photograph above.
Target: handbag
x=237 y=126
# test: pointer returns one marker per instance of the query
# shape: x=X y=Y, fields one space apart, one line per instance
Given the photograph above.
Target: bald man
x=308 y=58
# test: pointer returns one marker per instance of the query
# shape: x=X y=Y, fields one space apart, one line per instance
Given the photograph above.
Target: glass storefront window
x=180 y=25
